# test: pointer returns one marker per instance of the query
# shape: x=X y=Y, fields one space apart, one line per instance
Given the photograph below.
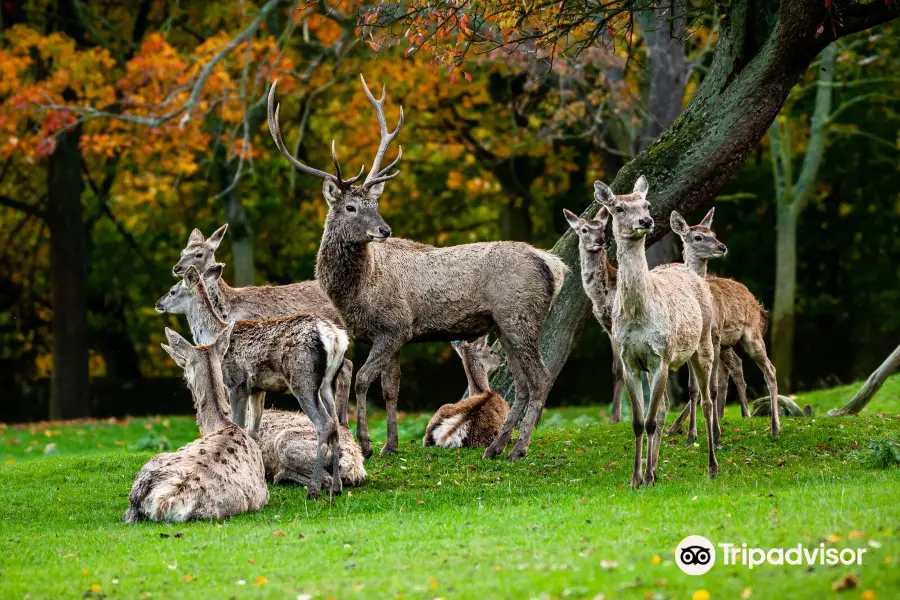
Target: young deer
x=475 y=421
x=254 y=303
x=661 y=319
x=598 y=277
x=391 y=292
x=300 y=354
x=221 y=474
x=288 y=444
x=740 y=317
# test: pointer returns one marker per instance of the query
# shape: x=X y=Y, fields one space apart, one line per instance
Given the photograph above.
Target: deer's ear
x=573 y=219
x=224 y=340
x=179 y=344
x=196 y=237
x=603 y=194
x=331 y=191
x=603 y=216
x=679 y=225
x=191 y=277
x=213 y=272
x=707 y=220
x=376 y=190
x=179 y=359
x=641 y=186
x=216 y=238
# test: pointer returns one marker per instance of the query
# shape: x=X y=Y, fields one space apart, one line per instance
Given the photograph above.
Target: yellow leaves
x=867 y=595
x=96 y=587
x=261 y=580
x=700 y=595
x=187 y=578
x=85 y=572
x=433 y=583
x=655 y=560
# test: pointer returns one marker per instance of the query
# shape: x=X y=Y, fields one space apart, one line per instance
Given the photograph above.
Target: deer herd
x=388 y=292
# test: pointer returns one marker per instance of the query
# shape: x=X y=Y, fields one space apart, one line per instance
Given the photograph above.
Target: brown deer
x=289 y=447
x=661 y=319
x=475 y=421
x=598 y=277
x=221 y=474
x=740 y=317
x=254 y=303
x=300 y=354
x=391 y=292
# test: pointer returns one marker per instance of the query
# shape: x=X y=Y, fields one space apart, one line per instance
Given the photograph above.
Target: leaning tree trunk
x=870 y=387
x=764 y=47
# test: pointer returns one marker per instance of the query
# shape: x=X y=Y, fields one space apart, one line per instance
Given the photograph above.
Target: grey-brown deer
x=598 y=277
x=255 y=303
x=221 y=474
x=474 y=421
x=661 y=319
x=391 y=292
x=300 y=354
x=741 y=319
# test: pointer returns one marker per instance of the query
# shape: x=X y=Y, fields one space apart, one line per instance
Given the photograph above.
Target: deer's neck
x=211 y=401
x=475 y=373
x=203 y=318
x=597 y=276
x=342 y=267
x=694 y=263
x=221 y=295
x=634 y=285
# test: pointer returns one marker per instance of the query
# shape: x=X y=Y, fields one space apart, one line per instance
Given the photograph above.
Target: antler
x=377 y=174
x=275 y=130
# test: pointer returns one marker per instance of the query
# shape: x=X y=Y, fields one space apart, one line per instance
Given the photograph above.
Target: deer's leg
x=237 y=397
x=722 y=375
x=390 y=390
x=304 y=386
x=636 y=396
x=714 y=369
x=675 y=428
x=517 y=409
x=257 y=406
x=701 y=363
x=651 y=425
x=736 y=373
x=381 y=352
x=756 y=349
x=537 y=378
x=296 y=452
x=342 y=384
x=618 y=373
x=327 y=407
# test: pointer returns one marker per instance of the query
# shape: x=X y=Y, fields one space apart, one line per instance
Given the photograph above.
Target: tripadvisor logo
x=696 y=555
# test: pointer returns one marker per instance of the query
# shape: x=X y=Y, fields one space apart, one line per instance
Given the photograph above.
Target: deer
x=474 y=421
x=741 y=319
x=217 y=476
x=661 y=320
x=598 y=277
x=255 y=303
x=288 y=443
x=300 y=354
x=391 y=292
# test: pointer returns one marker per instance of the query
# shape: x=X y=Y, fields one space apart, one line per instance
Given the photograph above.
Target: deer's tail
x=556 y=268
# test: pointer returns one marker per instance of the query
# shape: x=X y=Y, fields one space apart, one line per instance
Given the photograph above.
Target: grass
x=430 y=523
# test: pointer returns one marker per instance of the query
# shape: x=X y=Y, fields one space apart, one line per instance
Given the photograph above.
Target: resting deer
x=255 y=303
x=288 y=444
x=598 y=277
x=221 y=474
x=474 y=421
x=661 y=319
x=391 y=292
x=740 y=317
x=300 y=354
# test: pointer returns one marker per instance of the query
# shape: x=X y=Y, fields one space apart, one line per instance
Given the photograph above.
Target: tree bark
x=870 y=387
x=238 y=228
x=764 y=47
x=785 y=295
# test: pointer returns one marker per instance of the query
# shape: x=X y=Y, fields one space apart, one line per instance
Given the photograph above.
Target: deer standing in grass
x=740 y=319
x=598 y=277
x=254 y=303
x=474 y=421
x=661 y=319
x=300 y=354
x=221 y=474
x=391 y=292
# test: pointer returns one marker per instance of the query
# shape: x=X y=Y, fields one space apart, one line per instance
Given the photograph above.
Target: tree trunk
x=764 y=47
x=785 y=294
x=239 y=230
x=870 y=387
x=69 y=381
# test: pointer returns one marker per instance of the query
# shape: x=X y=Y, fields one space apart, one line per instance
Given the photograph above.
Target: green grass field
x=432 y=523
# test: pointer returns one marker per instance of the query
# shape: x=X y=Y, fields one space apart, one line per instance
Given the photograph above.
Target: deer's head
x=591 y=232
x=630 y=212
x=199 y=252
x=699 y=240
x=200 y=363
x=353 y=209
x=177 y=300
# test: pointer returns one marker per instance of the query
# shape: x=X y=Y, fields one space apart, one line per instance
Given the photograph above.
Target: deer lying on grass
x=221 y=474
x=391 y=292
x=288 y=444
x=254 y=303
x=740 y=317
x=300 y=353
x=661 y=319
x=475 y=421
x=598 y=277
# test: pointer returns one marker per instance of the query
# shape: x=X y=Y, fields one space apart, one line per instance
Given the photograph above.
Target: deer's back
x=255 y=303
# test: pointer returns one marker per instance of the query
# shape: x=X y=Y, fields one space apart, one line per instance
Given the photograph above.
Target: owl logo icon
x=695 y=555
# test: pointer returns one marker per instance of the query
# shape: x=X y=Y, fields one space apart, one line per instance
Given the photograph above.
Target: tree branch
x=22 y=207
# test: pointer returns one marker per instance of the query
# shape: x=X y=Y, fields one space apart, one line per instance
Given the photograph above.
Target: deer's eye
x=172 y=293
x=198 y=255
x=697 y=238
x=351 y=208
x=620 y=210
x=584 y=230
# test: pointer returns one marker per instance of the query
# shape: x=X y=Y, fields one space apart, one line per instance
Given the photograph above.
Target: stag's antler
x=275 y=130
x=377 y=174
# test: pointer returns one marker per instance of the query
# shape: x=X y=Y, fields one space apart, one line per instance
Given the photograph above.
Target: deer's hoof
x=491 y=452
x=636 y=481
x=673 y=430
x=312 y=493
x=713 y=471
x=776 y=431
x=517 y=453
x=615 y=419
x=649 y=479
x=690 y=439
x=387 y=450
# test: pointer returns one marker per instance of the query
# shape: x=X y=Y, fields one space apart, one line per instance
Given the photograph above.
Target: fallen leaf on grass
x=261 y=580
x=700 y=595
x=867 y=595
x=848 y=582
x=746 y=593
x=187 y=578
x=85 y=571
x=834 y=538
x=656 y=559
x=608 y=564
x=278 y=533
x=855 y=535
x=68 y=556
x=96 y=587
